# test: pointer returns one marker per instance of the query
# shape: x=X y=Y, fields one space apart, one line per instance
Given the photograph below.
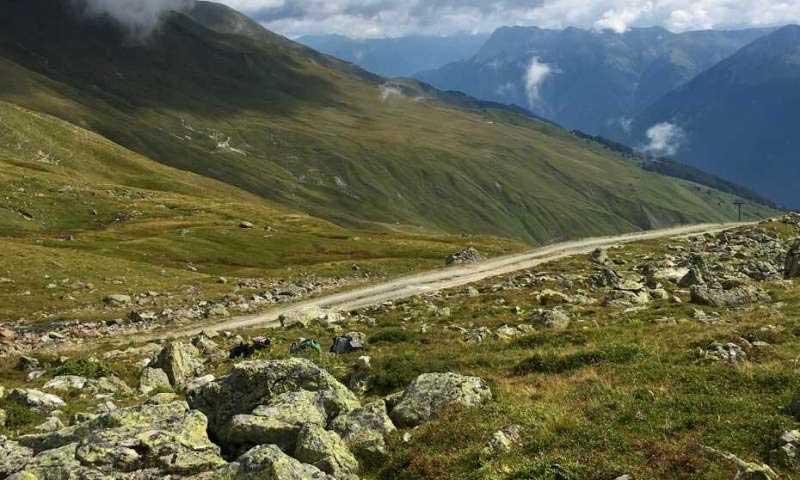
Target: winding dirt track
x=427 y=282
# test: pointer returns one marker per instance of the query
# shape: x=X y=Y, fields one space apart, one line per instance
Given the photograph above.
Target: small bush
x=20 y=416
x=83 y=368
x=551 y=363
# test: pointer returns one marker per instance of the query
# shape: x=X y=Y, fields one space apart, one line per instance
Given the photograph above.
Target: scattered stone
x=745 y=470
x=728 y=352
x=428 y=395
x=246 y=225
x=786 y=455
x=13 y=457
x=66 y=383
x=504 y=440
x=301 y=318
x=468 y=255
x=507 y=333
x=555 y=319
x=600 y=256
x=117 y=300
x=550 y=298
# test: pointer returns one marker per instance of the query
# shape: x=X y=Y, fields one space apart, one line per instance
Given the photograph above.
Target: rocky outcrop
x=264 y=400
x=13 y=457
x=555 y=319
x=152 y=440
x=468 y=255
x=431 y=393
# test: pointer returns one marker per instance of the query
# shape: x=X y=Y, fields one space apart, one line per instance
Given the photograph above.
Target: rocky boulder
x=180 y=361
x=160 y=440
x=431 y=393
x=364 y=430
x=259 y=389
x=736 y=297
x=327 y=451
x=36 y=399
x=468 y=255
x=556 y=319
x=153 y=379
x=13 y=457
x=268 y=462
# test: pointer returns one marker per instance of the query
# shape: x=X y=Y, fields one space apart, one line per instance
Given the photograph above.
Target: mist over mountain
x=594 y=81
x=740 y=118
x=398 y=57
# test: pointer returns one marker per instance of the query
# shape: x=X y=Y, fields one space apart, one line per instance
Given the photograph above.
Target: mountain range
x=593 y=81
x=739 y=119
x=398 y=57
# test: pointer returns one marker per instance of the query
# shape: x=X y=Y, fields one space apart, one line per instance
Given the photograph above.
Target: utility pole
x=739 y=204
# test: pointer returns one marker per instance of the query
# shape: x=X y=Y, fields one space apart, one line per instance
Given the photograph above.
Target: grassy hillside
x=78 y=209
x=313 y=134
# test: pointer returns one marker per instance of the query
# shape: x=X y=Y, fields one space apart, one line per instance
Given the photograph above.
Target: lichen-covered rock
x=36 y=399
x=555 y=319
x=153 y=379
x=268 y=462
x=13 y=456
x=504 y=440
x=167 y=439
x=702 y=295
x=257 y=383
x=364 y=430
x=208 y=348
x=431 y=393
x=181 y=362
x=301 y=317
x=327 y=451
x=66 y=383
x=279 y=422
x=549 y=298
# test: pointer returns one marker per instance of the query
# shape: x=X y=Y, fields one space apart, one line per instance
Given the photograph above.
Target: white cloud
x=379 y=18
x=140 y=16
x=665 y=139
x=535 y=76
x=388 y=91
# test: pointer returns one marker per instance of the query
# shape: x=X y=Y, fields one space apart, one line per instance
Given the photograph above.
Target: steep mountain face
x=315 y=134
x=398 y=57
x=587 y=80
x=740 y=118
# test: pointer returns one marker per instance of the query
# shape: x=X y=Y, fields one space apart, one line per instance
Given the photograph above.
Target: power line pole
x=739 y=204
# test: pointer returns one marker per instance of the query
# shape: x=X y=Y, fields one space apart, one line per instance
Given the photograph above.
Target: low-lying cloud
x=390 y=18
x=535 y=76
x=139 y=17
x=665 y=140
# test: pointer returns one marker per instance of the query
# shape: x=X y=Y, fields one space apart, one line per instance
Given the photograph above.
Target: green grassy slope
x=314 y=134
x=136 y=225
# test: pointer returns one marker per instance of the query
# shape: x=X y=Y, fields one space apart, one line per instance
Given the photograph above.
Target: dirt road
x=440 y=279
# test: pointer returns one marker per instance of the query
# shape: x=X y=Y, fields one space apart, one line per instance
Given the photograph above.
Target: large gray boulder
x=364 y=430
x=736 y=297
x=792 y=265
x=431 y=393
x=268 y=462
x=253 y=387
x=327 y=451
x=555 y=319
x=181 y=362
x=160 y=439
x=280 y=421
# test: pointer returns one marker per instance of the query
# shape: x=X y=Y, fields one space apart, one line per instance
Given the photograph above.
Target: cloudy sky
x=380 y=18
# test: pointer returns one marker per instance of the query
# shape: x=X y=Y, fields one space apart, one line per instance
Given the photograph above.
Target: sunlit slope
x=317 y=135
